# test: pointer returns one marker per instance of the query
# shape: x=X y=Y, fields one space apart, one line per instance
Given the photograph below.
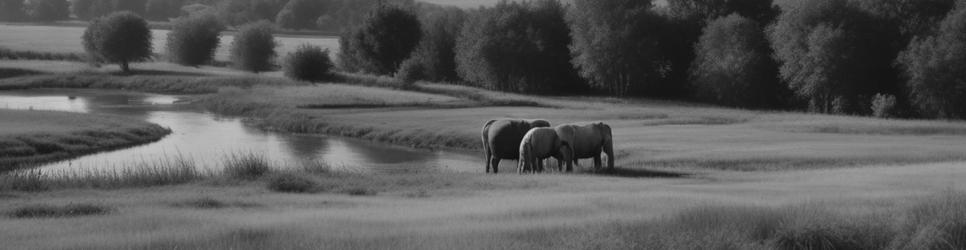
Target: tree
x=521 y=47
x=688 y=18
x=11 y=10
x=162 y=10
x=308 y=63
x=616 y=45
x=298 y=15
x=47 y=10
x=833 y=55
x=936 y=68
x=733 y=65
x=388 y=36
x=254 y=47
x=193 y=40
x=435 y=56
x=121 y=38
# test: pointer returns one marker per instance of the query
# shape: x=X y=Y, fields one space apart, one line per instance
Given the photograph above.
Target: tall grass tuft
x=150 y=173
x=292 y=183
x=248 y=166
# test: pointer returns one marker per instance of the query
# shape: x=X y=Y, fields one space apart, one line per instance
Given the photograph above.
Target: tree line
x=894 y=58
x=322 y=15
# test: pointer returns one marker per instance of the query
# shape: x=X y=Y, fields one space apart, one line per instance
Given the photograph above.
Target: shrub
x=193 y=40
x=615 y=46
x=884 y=106
x=518 y=47
x=734 y=66
x=120 y=38
x=935 y=67
x=308 y=63
x=411 y=71
x=291 y=183
x=388 y=36
x=254 y=47
x=11 y=10
x=246 y=166
x=47 y=10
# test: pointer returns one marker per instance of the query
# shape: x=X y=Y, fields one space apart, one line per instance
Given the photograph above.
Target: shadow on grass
x=633 y=173
x=151 y=72
x=49 y=211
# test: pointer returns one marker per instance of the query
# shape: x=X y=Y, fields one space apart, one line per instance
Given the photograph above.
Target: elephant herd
x=532 y=141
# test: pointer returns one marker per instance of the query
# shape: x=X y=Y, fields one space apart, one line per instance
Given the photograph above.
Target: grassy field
x=877 y=207
x=689 y=176
x=648 y=134
x=55 y=39
x=35 y=136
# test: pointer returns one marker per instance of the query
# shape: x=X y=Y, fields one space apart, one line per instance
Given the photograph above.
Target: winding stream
x=206 y=138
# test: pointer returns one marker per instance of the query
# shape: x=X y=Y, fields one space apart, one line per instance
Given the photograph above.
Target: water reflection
x=206 y=138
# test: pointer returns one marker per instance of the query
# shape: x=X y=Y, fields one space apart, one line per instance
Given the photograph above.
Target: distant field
x=68 y=40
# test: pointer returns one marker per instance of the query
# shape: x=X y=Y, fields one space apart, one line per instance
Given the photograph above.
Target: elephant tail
x=486 y=137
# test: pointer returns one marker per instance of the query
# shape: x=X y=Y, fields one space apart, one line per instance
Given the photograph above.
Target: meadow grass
x=247 y=166
x=30 y=137
x=8 y=54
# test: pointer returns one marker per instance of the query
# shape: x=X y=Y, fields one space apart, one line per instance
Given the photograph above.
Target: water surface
x=206 y=138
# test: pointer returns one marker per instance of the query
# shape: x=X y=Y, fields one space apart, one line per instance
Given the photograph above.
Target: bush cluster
x=193 y=40
x=254 y=47
x=308 y=63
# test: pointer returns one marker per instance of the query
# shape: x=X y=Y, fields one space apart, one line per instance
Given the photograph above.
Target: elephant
x=501 y=140
x=588 y=141
x=539 y=144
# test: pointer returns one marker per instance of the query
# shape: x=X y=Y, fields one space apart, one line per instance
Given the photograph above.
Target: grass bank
x=29 y=137
x=147 y=81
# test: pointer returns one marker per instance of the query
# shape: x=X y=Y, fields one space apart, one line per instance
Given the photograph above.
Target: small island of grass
x=31 y=137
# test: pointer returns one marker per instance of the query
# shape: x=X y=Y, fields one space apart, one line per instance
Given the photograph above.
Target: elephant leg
x=570 y=166
x=495 y=163
x=597 y=162
x=486 y=160
x=539 y=166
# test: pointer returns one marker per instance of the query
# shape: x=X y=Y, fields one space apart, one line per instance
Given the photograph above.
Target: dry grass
x=28 y=137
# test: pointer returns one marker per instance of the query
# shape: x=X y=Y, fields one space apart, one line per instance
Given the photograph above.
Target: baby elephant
x=539 y=144
x=501 y=140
